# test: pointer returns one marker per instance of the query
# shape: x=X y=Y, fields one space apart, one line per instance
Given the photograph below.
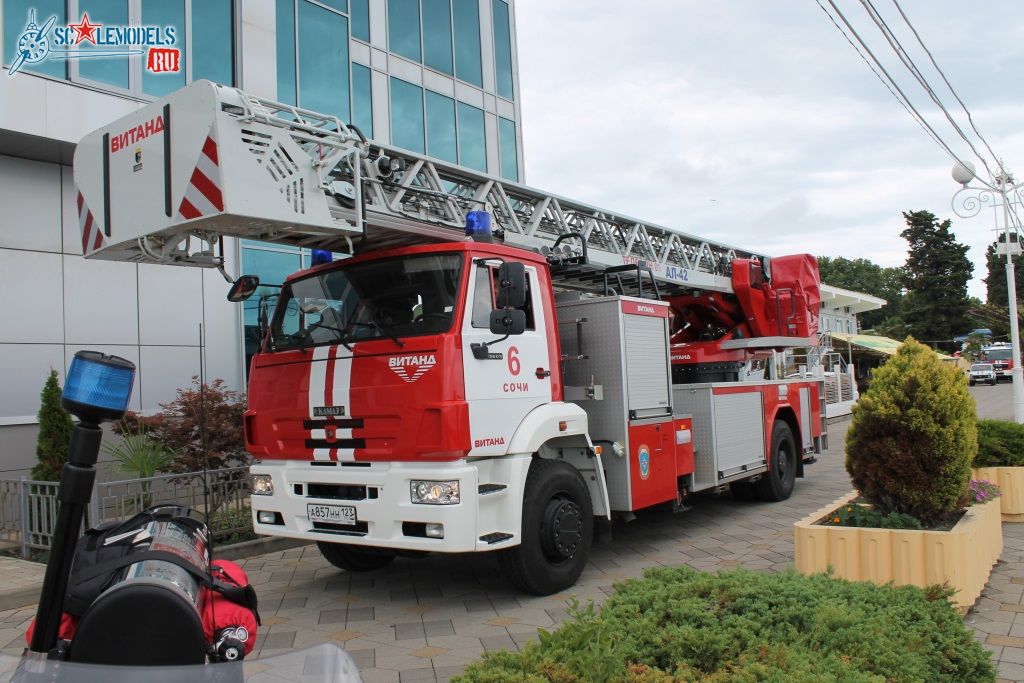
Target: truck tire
x=355 y=558
x=558 y=527
x=777 y=483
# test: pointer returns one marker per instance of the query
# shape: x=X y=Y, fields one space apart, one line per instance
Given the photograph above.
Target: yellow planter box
x=962 y=557
x=1010 y=481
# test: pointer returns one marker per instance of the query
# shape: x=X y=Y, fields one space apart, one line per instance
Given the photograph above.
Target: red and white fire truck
x=1000 y=355
x=492 y=367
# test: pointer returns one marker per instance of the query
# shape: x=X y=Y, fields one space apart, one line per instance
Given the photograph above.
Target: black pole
x=76 y=482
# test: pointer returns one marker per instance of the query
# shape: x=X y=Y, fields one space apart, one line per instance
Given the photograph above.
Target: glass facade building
x=437 y=77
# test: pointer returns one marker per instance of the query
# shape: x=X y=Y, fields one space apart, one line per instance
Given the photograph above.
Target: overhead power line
x=912 y=67
x=879 y=69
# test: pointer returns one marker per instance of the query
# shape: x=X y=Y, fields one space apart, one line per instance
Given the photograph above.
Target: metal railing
x=28 y=509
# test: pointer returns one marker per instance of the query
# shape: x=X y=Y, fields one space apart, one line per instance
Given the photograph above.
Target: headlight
x=434 y=492
x=262 y=485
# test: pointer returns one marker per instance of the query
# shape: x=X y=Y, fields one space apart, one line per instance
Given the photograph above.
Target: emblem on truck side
x=411 y=368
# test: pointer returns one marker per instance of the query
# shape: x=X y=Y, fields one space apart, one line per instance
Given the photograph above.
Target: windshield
x=998 y=354
x=981 y=367
x=406 y=296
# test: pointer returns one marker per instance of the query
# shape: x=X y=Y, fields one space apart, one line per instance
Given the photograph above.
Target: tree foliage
x=995 y=278
x=55 y=427
x=935 y=276
x=862 y=275
x=202 y=425
x=913 y=436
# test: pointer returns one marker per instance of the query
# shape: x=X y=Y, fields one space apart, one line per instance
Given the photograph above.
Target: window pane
x=507 y=149
x=286 y=51
x=340 y=5
x=109 y=70
x=362 y=99
x=437 y=35
x=472 y=139
x=165 y=13
x=360 y=17
x=441 y=127
x=15 y=20
x=483 y=298
x=502 y=48
x=404 y=28
x=406 y=115
x=213 y=46
x=323 y=61
x=467 y=41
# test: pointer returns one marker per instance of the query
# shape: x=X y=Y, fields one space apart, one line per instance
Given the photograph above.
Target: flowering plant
x=982 y=491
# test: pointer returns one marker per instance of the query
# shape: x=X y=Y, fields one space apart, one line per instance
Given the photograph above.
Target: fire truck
x=1000 y=355
x=491 y=367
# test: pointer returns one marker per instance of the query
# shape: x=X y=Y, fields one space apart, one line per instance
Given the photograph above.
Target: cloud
x=755 y=123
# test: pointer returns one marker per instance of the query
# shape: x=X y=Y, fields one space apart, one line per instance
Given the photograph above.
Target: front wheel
x=777 y=483
x=355 y=558
x=558 y=527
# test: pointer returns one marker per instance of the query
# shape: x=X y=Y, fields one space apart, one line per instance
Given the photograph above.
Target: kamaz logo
x=329 y=411
x=645 y=309
x=411 y=368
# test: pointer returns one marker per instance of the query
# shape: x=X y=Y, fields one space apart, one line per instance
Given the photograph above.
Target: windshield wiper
x=373 y=326
x=302 y=336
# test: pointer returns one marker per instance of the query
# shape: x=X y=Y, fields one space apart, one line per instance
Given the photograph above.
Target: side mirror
x=508 y=321
x=511 y=285
x=243 y=288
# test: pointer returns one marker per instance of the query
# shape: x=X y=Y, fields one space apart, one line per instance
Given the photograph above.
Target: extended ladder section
x=166 y=183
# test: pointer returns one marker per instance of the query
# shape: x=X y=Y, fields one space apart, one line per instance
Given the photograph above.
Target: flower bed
x=961 y=557
x=1000 y=459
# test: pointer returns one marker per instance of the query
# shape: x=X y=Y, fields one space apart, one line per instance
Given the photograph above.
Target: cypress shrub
x=1000 y=444
x=55 y=427
x=913 y=436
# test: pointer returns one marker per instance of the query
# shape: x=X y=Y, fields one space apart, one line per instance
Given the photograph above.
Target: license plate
x=339 y=514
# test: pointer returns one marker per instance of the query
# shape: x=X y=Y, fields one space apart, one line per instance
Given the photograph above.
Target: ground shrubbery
x=678 y=624
x=913 y=436
x=1000 y=444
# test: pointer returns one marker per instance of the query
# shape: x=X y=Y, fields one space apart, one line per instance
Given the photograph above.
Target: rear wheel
x=355 y=558
x=558 y=527
x=777 y=483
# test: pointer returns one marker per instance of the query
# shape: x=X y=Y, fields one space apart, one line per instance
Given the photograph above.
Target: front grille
x=338 y=491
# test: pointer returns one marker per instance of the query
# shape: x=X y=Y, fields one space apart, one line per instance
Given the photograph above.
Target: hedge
x=1000 y=444
x=678 y=624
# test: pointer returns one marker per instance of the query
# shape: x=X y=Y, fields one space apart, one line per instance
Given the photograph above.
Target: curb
x=259 y=546
x=20 y=598
x=237 y=551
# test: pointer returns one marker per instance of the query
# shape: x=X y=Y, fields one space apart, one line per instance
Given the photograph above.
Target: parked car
x=982 y=372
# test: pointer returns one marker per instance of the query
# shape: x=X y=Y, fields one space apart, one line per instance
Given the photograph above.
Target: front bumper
x=488 y=516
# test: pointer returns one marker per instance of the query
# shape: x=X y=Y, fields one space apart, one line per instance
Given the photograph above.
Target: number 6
x=513 y=361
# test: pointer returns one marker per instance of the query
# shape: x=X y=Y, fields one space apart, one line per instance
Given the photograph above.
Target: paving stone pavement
x=426 y=619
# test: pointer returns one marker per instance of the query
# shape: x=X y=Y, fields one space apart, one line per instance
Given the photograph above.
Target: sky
x=754 y=122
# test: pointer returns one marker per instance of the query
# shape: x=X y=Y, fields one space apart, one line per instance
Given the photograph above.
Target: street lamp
x=967 y=203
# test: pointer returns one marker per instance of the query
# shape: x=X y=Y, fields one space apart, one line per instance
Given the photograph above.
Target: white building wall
x=55 y=303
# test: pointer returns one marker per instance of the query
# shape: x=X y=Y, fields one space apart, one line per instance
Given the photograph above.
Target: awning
x=869 y=342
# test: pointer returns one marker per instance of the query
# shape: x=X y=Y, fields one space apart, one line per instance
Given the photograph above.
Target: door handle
x=541 y=373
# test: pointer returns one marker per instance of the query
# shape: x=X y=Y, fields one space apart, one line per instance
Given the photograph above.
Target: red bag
x=227 y=624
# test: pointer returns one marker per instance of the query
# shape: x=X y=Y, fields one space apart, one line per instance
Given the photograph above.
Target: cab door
x=515 y=378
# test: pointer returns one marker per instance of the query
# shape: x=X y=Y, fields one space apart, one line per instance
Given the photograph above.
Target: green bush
x=677 y=624
x=55 y=427
x=913 y=436
x=1000 y=444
